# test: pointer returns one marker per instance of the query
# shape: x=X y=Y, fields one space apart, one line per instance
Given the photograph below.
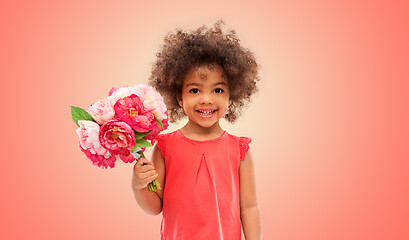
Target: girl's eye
x=218 y=90
x=194 y=90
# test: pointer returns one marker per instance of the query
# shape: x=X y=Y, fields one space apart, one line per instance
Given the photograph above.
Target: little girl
x=206 y=174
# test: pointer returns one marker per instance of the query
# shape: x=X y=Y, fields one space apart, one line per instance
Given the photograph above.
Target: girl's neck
x=193 y=131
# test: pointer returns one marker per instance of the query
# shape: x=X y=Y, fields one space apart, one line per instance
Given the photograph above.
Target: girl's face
x=205 y=95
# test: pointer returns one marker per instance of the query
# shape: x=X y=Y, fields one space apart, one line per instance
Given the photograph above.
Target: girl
x=206 y=174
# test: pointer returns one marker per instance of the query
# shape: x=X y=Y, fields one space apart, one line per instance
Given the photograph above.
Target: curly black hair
x=183 y=50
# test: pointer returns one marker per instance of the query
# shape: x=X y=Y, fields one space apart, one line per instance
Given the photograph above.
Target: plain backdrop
x=329 y=124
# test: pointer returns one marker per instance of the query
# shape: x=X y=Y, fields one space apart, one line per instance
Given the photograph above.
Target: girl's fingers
x=146 y=167
x=141 y=161
x=143 y=168
x=151 y=178
x=144 y=179
x=138 y=164
x=143 y=171
x=148 y=174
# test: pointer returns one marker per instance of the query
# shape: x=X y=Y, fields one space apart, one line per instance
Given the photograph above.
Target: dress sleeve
x=161 y=144
x=244 y=146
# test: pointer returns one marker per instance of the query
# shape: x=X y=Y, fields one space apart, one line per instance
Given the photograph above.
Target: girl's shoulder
x=164 y=136
x=241 y=139
x=242 y=142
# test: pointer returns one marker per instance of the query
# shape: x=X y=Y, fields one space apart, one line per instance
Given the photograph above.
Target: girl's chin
x=204 y=122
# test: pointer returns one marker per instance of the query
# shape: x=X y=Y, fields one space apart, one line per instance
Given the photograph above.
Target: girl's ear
x=180 y=102
x=230 y=102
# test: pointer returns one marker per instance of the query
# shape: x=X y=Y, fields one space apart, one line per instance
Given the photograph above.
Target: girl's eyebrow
x=198 y=84
x=192 y=84
x=220 y=83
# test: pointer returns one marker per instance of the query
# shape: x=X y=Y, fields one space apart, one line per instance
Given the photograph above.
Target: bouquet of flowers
x=119 y=126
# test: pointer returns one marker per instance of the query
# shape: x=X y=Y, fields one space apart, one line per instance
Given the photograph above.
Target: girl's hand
x=143 y=173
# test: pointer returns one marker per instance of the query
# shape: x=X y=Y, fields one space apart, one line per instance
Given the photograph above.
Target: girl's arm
x=151 y=203
x=249 y=210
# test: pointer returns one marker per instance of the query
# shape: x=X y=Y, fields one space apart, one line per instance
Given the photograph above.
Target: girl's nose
x=205 y=99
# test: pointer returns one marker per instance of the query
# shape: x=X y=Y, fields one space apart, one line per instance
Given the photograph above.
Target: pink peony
x=88 y=134
x=89 y=143
x=131 y=111
x=127 y=159
x=102 y=111
x=99 y=160
x=151 y=99
x=117 y=93
x=155 y=131
x=112 y=91
x=118 y=137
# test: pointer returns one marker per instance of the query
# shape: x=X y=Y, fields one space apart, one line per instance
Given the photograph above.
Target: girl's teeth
x=206 y=112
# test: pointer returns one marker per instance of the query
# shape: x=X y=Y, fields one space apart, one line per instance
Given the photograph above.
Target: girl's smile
x=206 y=113
x=205 y=96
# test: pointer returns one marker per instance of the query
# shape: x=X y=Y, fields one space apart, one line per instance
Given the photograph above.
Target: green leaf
x=134 y=148
x=80 y=114
x=139 y=135
x=141 y=143
x=160 y=123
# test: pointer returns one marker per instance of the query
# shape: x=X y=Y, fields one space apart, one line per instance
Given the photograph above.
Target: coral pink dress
x=201 y=197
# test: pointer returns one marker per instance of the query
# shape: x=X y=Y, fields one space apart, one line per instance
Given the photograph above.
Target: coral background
x=330 y=124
